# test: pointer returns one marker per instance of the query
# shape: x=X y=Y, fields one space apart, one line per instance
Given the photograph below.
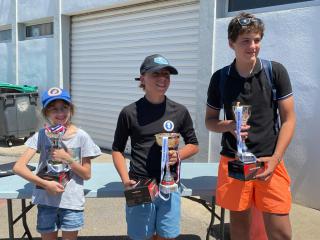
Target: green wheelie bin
x=18 y=116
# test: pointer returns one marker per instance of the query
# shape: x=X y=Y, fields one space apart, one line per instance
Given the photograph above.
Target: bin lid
x=18 y=88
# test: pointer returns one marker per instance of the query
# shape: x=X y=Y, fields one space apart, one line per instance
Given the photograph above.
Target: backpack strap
x=267 y=68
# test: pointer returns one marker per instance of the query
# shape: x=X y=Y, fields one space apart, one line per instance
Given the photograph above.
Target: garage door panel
x=133 y=51
x=107 y=48
x=165 y=10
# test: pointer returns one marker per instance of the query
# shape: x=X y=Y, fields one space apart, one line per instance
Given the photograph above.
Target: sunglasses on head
x=245 y=21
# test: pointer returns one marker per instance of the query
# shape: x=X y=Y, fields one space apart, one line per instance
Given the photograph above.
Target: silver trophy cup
x=246 y=166
x=242 y=114
x=56 y=143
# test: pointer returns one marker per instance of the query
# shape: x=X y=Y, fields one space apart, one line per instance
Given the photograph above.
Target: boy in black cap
x=154 y=113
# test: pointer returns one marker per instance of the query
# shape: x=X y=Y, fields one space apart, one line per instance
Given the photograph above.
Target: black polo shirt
x=256 y=91
x=141 y=121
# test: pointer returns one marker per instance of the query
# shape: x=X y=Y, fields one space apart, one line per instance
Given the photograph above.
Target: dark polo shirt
x=257 y=92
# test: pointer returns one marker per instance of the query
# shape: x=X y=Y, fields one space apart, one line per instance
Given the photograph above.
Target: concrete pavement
x=105 y=218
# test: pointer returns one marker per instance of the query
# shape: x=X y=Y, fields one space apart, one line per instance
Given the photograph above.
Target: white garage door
x=107 y=48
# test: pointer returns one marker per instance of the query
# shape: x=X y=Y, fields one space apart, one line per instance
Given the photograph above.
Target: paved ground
x=105 y=218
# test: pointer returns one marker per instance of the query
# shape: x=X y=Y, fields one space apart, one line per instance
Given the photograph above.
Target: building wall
x=7 y=17
x=40 y=9
x=291 y=37
x=6 y=62
x=7 y=9
x=36 y=62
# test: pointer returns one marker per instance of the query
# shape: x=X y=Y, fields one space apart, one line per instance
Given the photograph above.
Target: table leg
x=24 y=217
x=10 y=219
x=222 y=223
x=213 y=215
x=220 y=218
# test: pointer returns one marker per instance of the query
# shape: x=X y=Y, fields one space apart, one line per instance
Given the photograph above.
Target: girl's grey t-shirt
x=81 y=145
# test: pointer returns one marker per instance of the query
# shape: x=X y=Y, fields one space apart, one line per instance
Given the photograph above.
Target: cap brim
x=170 y=68
x=56 y=98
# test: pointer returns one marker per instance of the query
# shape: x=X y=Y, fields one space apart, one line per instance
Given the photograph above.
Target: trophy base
x=166 y=189
x=63 y=177
x=244 y=171
x=143 y=192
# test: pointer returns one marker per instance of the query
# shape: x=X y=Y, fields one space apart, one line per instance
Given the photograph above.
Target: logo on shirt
x=168 y=125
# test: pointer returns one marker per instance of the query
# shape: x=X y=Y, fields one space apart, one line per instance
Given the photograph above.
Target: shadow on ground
x=215 y=232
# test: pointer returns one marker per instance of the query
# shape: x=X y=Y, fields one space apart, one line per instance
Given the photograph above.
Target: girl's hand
x=129 y=184
x=54 y=188
x=173 y=157
x=61 y=155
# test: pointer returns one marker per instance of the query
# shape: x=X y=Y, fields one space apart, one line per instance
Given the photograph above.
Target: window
x=236 y=5
x=5 y=35
x=38 y=30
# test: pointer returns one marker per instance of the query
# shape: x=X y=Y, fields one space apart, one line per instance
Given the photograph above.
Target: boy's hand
x=270 y=165
x=129 y=184
x=173 y=157
x=54 y=188
x=244 y=130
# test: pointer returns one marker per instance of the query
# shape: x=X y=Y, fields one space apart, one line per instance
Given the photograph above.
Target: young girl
x=60 y=204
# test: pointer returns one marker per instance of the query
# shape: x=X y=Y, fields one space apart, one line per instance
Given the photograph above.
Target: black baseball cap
x=154 y=63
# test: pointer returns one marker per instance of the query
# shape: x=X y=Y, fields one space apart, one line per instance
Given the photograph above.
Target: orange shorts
x=272 y=196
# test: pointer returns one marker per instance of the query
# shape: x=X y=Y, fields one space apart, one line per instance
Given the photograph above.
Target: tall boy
x=246 y=82
x=154 y=113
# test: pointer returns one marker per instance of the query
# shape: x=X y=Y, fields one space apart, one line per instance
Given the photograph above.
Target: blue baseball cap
x=55 y=93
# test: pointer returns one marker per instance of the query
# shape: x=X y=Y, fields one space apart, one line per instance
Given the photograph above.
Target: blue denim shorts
x=51 y=219
x=159 y=217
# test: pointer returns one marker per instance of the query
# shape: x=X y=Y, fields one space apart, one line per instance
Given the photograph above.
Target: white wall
x=6 y=62
x=36 y=62
x=38 y=9
x=7 y=10
x=292 y=38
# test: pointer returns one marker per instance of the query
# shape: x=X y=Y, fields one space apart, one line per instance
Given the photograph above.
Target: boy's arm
x=187 y=151
x=288 y=122
x=120 y=164
x=213 y=123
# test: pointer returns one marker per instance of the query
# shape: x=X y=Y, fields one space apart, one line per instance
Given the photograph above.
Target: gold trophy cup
x=168 y=141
